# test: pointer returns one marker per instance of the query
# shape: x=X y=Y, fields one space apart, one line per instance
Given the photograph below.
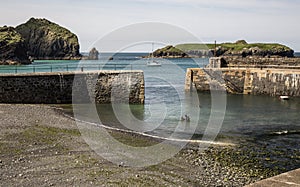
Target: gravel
x=39 y=146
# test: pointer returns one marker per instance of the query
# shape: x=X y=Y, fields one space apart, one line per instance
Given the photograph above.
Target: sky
x=272 y=21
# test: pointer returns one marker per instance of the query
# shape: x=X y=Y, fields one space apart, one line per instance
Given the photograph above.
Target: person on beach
x=185 y=118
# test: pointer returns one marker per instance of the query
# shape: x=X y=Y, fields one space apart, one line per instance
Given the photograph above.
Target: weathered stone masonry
x=51 y=88
x=255 y=81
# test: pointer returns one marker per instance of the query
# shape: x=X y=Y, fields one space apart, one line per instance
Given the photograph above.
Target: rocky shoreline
x=40 y=146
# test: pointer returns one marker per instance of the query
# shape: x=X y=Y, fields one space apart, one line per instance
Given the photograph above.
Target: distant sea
x=297 y=54
x=120 y=56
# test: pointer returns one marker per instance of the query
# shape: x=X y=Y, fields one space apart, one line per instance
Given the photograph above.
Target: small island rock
x=47 y=40
x=93 y=54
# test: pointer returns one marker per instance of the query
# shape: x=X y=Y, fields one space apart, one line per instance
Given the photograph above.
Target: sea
x=262 y=121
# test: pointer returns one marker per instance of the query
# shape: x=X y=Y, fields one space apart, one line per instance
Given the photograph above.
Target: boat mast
x=152 y=56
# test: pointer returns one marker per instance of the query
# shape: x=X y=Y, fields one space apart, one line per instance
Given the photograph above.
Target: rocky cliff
x=47 y=40
x=37 y=39
x=12 y=47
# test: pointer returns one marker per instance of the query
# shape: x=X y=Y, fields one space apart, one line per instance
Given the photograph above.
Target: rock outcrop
x=169 y=52
x=240 y=48
x=256 y=51
x=243 y=49
x=47 y=40
x=37 y=39
x=93 y=54
x=12 y=47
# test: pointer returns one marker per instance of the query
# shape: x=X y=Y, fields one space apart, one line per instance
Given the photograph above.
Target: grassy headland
x=238 y=46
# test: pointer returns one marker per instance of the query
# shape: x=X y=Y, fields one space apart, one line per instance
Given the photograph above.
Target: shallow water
x=267 y=122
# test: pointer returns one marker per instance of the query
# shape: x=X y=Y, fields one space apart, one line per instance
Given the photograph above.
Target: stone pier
x=53 y=88
x=257 y=81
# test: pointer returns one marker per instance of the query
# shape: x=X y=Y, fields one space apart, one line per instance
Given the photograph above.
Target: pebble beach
x=41 y=146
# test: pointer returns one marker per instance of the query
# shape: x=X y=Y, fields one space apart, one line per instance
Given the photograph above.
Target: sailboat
x=153 y=62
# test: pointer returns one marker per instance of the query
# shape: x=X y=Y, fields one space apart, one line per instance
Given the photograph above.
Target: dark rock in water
x=47 y=40
x=94 y=54
x=12 y=47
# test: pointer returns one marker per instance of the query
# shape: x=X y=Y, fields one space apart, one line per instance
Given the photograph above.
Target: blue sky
x=221 y=20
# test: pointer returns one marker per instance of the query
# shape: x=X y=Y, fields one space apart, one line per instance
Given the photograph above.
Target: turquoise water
x=245 y=115
x=265 y=121
x=120 y=61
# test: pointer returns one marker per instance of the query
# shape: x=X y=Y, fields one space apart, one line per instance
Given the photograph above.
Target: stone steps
x=248 y=83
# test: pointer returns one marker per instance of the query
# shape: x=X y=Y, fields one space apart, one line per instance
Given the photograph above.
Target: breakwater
x=256 y=61
x=254 y=81
x=54 y=88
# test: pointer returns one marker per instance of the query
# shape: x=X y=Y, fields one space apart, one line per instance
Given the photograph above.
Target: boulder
x=243 y=42
x=47 y=40
x=93 y=54
x=12 y=47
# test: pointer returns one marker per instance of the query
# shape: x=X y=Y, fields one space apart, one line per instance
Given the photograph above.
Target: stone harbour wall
x=76 y=87
x=254 y=62
x=260 y=61
x=274 y=82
